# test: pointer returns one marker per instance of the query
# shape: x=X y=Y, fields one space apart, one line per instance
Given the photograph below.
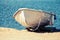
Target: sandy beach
x=13 y=34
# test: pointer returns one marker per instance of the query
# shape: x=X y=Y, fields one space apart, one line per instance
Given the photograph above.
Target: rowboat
x=33 y=19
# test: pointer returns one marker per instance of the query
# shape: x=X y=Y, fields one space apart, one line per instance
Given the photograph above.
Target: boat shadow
x=48 y=29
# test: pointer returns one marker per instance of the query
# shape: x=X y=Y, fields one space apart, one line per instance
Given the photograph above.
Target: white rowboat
x=31 y=18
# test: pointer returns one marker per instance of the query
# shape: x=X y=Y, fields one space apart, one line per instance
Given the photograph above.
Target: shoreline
x=13 y=34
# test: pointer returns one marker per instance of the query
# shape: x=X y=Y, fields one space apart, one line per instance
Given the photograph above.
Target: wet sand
x=13 y=34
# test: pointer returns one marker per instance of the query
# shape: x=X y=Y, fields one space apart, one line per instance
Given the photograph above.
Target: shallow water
x=8 y=8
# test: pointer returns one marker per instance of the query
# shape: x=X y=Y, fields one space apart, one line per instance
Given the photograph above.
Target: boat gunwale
x=20 y=9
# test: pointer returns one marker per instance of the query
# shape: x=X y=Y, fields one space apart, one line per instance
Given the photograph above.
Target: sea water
x=9 y=7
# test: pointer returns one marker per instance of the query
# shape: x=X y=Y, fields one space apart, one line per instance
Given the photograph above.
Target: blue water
x=8 y=8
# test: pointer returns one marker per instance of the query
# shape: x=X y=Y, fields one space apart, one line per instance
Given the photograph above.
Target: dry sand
x=13 y=34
